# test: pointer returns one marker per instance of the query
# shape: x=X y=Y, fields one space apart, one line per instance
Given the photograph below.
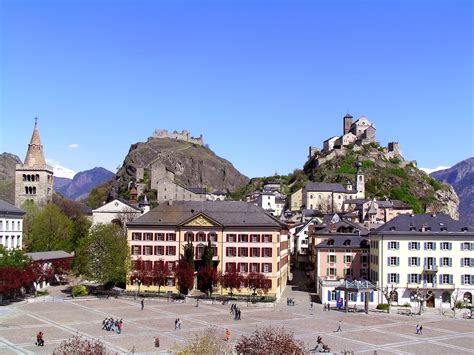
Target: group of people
x=39 y=339
x=321 y=347
x=235 y=311
x=327 y=307
x=290 y=301
x=177 y=324
x=419 y=329
x=112 y=325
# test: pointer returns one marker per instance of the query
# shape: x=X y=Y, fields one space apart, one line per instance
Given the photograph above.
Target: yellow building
x=243 y=237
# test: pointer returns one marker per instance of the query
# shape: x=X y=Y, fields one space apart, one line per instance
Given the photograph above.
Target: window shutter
x=398 y=278
x=425 y=245
x=450 y=262
x=398 y=261
x=471 y=262
x=462 y=279
x=227 y=238
x=409 y=245
x=434 y=245
x=227 y=251
x=335 y=259
x=408 y=278
x=409 y=261
x=327 y=271
x=362 y=296
x=472 y=246
x=440 y=279
x=450 y=279
x=462 y=246
x=472 y=279
x=418 y=261
x=398 y=245
x=388 y=278
x=388 y=261
x=372 y=296
x=258 y=267
x=140 y=250
x=271 y=251
x=425 y=261
x=418 y=245
x=239 y=251
x=328 y=258
x=270 y=267
x=450 y=246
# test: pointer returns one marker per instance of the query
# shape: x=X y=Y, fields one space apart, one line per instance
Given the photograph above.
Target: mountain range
x=82 y=183
x=461 y=177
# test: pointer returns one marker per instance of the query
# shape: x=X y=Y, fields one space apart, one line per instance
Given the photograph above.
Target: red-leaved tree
x=232 y=281
x=258 y=281
x=160 y=273
x=185 y=277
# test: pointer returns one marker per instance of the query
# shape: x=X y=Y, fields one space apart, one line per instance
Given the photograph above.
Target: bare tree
x=456 y=298
x=389 y=293
x=128 y=214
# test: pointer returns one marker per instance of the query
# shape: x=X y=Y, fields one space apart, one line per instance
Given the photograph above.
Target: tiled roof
x=325 y=187
x=226 y=213
x=432 y=223
x=196 y=190
x=49 y=255
x=339 y=240
x=7 y=209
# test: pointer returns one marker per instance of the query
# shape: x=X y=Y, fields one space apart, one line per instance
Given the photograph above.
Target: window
x=148 y=236
x=231 y=238
x=413 y=261
x=393 y=278
x=347 y=272
x=430 y=246
x=467 y=279
x=267 y=238
x=446 y=297
x=393 y=245
x=255 y=238
x=159 y=237
x=243 y=267
x=160 y=250
x=333 y=295
x=393 y=261
x=414 y=278
x=446 y=262
x=243 y=238
x=212 y=237
x=230 y=267
x=147 y=250
x=170 y=282
x=231 y=251
x=445 y=279
x=171 y=237
x=170 y=250
x=201 y=237
x=353 y=296
x=445 y=246
x=255 y=252
x=347 y=258
x=255 y=267
x=189 y=237
x=136 y=250
x=243 y=252
x=466 y=262
x=267 y=267
x=414 y=245
x=467 y=246
x=135 y=236
x=331 y=259
x=331 y=272
x=267 y=252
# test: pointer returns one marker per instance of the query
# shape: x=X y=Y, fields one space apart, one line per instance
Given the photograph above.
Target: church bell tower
x=360 y=181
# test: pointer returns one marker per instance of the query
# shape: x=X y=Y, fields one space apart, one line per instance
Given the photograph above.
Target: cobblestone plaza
x=375 y=332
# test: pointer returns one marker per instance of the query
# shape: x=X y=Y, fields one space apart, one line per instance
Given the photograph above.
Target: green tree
x=207 y=255
x=189 y=254
x=13 y=258
x=103 y=256
x=50 y=230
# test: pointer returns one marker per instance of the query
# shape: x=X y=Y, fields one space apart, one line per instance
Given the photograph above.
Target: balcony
x=430 y=269
x=429 y=285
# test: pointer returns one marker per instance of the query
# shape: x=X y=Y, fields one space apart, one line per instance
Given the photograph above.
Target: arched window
x=24 y=177
x=333 y=295
x=26 y=190
x=446 y=297
x=37 y=177
x=347 y=242
x=212 y=237
x=189 y=237
x=201 y=237
x=331 y=242
x=34 y=190
x=30 y=190
x=311 y=196
x=28 y=177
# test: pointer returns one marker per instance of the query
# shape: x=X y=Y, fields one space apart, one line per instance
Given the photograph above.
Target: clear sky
x=261 y=80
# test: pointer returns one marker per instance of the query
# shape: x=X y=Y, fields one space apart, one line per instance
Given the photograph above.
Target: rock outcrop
x=194 y=166
x=461 y=177
x=8 y=163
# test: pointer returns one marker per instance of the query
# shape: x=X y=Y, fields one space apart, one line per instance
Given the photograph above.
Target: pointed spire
x=34 y=155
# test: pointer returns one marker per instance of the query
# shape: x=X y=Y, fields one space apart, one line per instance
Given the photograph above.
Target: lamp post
x=137 y=283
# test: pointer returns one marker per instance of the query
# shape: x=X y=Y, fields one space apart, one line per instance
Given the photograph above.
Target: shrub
x=270 y=341
x=78 y=345
x=382 y=306
x=209 y=341
x=367 y=164
x=395 y=160
x=79 y=290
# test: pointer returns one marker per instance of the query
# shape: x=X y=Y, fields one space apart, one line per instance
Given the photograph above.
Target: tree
x=160 y=273
x=127 y=215
x=77 y=345
x=13 y=257
x=185 y=277
x=456 y=300
x=389 y=295
x=232 y=281
x=209 y=341
x=257 y=281
x=207 y=279
x=207 y=255
x=103 y=255
x=270 y=341
x=50 y=230
x=189 y=254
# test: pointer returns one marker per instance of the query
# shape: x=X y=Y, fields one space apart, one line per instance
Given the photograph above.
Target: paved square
x=361 y=333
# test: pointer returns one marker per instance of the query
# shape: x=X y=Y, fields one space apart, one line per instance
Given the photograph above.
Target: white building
x=11 y=226
x=428 y=254
x=117 y=211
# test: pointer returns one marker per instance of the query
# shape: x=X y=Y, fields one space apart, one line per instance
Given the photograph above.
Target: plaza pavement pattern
x=364 y=334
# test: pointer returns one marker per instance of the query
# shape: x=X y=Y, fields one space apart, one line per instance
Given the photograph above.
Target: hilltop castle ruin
x=184 y=136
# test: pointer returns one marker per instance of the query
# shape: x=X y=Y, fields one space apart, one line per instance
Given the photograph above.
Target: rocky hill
x=385 y=177
x=8 y=162
x=461 y=177
x=83 y=182
x=195 y=166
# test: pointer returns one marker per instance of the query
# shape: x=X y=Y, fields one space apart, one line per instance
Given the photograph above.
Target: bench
x=406 y=311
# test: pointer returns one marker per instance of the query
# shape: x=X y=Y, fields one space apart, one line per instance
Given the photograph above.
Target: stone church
x=34 y=178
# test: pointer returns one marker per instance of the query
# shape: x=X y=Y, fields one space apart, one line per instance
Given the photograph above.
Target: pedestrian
x=176 y=324
x=339 y=328
x=239 y=315
x=197 y=302
x=179 y=323
x=39 y=339
x=421 y=329
x=417 y=329
x=143 y=303
x=311 y=305
x=157 y=342
x=227 y=335
x=288 y=301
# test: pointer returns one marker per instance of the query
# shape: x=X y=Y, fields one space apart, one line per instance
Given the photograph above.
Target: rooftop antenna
x=36 y=121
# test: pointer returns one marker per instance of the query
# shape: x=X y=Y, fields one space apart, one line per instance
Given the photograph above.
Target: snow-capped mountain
x=61 y=171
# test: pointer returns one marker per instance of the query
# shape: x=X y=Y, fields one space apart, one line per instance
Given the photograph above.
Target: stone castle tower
x=34 y=178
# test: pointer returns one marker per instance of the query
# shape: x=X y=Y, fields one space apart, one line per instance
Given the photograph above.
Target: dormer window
x=464 y=229
x=330 y=242
x=392 y=228
x=347 y=242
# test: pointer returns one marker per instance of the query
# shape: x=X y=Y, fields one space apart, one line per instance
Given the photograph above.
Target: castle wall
x=184 y=136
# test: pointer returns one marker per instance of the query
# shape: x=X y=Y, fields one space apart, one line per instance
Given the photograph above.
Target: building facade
x=117 y=211
x=34 y=178
x=432 y=255
x=11 y=226
x=244 y=238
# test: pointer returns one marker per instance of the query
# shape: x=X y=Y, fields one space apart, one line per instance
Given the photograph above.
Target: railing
x=430 y=268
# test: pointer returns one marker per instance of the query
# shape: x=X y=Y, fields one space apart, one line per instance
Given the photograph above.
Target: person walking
x=421 y=329
x=339 y=326
x=179 y=323
x=176 y=324
x=39 y=339
x=157 y=342
x=143 y=303
x=311 y=305
x=227 y=335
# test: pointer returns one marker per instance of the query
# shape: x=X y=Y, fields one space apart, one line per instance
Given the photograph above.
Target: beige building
x=34 y=178
x=243 y=237
x=373 y=213
x=296 y=200
x=428 y=254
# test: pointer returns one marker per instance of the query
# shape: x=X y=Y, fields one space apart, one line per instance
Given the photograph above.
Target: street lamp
x=416 y=298
x=137 y=283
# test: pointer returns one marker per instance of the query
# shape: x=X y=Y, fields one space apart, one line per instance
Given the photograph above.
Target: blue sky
x=262 y=80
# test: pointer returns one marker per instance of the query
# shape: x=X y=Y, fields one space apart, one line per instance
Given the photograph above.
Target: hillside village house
x=11 y=226
x=117 y=211
x=433 y=254
x=374 y=213
x=243 y=236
